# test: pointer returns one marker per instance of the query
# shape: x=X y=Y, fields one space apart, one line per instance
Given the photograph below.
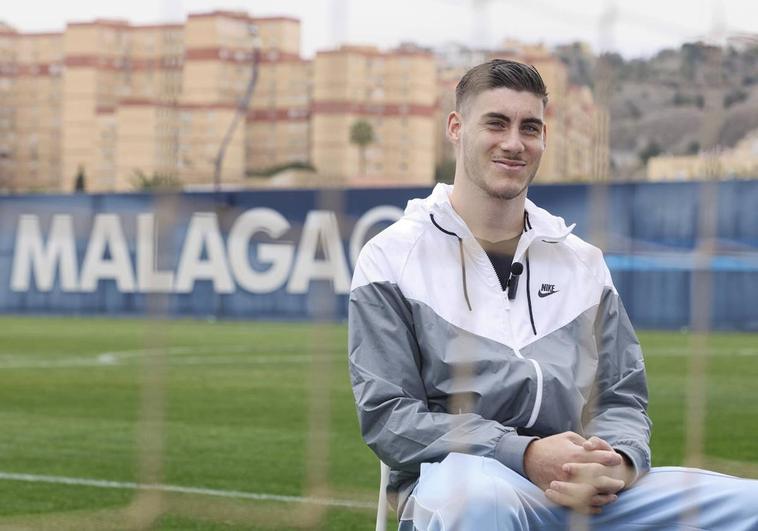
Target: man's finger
x=566 y=500
x=596 y=443
x=582 y=492
x=603 y=499
x=606 y=485
x=584 y=470
x=604 y=457
x=575 y=438
x=593 y=474
x=607 y=458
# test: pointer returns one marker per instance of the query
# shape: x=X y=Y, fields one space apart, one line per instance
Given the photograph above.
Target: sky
x=634 y=29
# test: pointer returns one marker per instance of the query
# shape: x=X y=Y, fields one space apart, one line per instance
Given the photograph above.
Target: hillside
x=677 y=102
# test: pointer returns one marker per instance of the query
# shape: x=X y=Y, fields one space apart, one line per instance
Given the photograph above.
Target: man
x=493 y=365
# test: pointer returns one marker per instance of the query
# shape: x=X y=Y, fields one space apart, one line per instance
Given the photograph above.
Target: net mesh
x=317 y=494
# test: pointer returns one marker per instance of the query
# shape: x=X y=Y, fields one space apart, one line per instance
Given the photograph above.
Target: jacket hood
x=537 y=221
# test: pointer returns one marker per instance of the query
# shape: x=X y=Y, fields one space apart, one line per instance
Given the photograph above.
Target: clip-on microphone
x=516 y=270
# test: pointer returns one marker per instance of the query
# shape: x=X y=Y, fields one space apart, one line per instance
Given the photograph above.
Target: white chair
x=381 y=509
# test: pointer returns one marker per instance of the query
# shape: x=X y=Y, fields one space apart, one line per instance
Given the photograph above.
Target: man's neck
x=488 y=218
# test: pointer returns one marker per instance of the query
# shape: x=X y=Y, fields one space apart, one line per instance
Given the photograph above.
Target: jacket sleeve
x=619 y=405
x=385 y=370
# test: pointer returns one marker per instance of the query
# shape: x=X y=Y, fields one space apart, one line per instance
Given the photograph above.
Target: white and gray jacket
x=441 y=360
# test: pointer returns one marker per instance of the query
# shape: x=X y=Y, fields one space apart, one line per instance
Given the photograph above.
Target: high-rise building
x=119 y=102
x=128 y=106
x=393 y=94
x=274 y=131
x=30 y=109
x=119 y=88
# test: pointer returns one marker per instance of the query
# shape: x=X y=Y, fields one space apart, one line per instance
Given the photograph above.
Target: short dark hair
x=499 y=73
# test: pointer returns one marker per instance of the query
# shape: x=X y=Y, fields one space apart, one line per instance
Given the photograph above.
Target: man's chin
x=505 y=192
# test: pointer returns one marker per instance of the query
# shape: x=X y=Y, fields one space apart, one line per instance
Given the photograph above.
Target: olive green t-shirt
x=501 y=256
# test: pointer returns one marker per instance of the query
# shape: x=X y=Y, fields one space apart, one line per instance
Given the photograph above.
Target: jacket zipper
x=537 y=369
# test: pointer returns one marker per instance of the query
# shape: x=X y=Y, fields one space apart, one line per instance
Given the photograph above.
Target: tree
x=362 y=134
x=156 y=182
x=79 y=185
x=735 y=96
x=693 y=148
x=651 y=150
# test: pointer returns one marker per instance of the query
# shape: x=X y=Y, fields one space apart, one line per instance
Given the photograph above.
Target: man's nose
x=511 y=142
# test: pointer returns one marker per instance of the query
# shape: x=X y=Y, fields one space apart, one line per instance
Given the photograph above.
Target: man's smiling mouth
x=510 y=163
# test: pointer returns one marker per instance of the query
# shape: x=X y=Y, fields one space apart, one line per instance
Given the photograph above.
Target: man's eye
x=531 y=129
x=496 y=124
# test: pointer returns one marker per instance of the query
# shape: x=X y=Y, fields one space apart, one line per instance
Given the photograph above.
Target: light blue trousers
x=471 y=493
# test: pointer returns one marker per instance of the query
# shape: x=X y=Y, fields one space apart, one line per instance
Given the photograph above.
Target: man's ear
x=454 y=125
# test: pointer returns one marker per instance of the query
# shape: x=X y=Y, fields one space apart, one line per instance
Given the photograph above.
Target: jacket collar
x=538 y=222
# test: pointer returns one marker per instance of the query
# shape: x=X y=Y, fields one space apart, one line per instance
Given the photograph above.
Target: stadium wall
x=289 y=254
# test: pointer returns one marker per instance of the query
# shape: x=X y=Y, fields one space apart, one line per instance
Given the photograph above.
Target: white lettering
x=149 y=278
x=279 y=256
x=320 y=230
x=244 y=261
x=107 y=234
x=31 y=254
x=203 y=233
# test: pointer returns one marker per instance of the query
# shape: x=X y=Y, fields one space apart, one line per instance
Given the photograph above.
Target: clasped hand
x=583 y=474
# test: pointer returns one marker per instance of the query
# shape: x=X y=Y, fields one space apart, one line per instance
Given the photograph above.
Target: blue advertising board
x=290 y=254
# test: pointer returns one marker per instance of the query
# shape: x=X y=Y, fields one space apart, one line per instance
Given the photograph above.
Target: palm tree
x=79 y=185
x=362 y=134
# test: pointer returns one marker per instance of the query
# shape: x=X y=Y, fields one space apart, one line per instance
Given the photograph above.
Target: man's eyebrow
x=496 y=116
x=500 y=116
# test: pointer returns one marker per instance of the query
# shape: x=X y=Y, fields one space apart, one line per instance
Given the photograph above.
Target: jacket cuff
x=639 y=458
x=510 y=450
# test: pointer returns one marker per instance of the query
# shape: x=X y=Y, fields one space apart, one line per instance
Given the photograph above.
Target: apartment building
x=119 y=87
x=119 y=102
x=221 y=50
x=116 y=101
x=30 y=111
x=395 y=93
x=739 y=162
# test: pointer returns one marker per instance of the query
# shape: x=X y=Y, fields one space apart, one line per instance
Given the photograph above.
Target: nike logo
x=546 y=290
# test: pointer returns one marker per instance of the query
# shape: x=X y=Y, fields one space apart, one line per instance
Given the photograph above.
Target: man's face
x=500 y=134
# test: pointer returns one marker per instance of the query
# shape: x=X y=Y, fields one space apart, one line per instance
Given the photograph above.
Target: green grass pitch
x=235 y=419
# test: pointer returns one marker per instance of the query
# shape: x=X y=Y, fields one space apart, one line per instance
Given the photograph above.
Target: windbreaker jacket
x=441 y=360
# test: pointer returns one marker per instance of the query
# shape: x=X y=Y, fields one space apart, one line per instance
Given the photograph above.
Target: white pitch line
x=128 y=485
x=713 y=351
x=180 y=355
x=176 y=361
x=49 y=364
